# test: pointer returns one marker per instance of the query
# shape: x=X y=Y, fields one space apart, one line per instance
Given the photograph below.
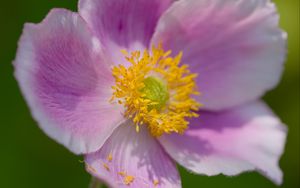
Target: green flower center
x=156 y=91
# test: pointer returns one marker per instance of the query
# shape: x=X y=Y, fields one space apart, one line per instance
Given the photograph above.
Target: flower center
x=156 y=91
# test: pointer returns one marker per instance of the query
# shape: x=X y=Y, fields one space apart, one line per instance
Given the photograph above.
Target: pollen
x=156 y=90
x=128 y=179
x=109 y=157
x=106 y=167
x=155 y=182
x=122 y=173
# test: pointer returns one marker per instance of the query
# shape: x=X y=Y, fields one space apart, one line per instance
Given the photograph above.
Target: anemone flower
x=138 y=85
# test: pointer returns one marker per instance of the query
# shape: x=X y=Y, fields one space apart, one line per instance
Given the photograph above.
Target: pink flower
x=134 y=114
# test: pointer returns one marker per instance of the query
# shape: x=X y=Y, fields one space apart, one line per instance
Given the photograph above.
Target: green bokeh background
x=29 y=159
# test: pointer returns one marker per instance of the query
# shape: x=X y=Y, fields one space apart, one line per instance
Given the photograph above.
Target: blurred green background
x=29 y=159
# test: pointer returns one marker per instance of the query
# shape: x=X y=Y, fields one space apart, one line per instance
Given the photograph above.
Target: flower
x=137 y=85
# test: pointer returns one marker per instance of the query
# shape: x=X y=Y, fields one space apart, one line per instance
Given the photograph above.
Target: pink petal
x=63 y=76
x=126 y=24
x=235 y=46
x=134 y=154
x=245 y=138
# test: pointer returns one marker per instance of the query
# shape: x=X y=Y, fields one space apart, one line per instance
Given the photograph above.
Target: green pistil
x=156 y=91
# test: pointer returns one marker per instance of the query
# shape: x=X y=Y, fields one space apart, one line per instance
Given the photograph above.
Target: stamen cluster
x=180 y=84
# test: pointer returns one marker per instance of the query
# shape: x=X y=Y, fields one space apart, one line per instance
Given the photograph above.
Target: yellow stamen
x=155 y=182
x=109 y=157
x=122 y=173
x=128 y=179
x=106 y=167
x=156 y=91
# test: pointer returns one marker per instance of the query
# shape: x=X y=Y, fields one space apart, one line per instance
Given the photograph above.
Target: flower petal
x=235 y=46
x=246 y=138
x=66 y=82
x=126 y=24
x=128 y=153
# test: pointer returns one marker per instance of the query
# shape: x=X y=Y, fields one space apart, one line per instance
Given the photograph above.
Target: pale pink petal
x=126 y=24
x=245 y=138
x=65 y=80
x=128 y=153
x=235 y=46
